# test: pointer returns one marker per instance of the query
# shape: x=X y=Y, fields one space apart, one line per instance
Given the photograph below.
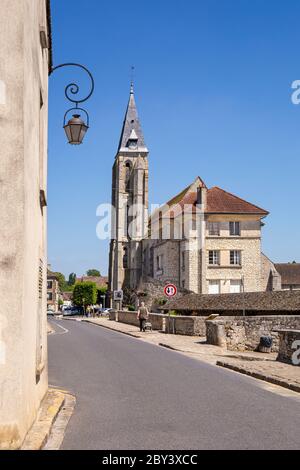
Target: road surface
x=134 y=395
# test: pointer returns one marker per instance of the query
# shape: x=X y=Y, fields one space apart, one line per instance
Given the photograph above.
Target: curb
x=112 y=329
x=167 y=346
x=50 y=407
x=257 y=375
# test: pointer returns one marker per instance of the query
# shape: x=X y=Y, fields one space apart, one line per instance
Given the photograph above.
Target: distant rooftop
x=289 y=272
x=276 y=302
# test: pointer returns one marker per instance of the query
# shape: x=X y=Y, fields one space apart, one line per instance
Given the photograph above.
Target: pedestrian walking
x=142 y=316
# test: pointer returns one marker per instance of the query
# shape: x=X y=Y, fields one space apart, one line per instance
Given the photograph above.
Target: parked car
x=104 y=311
x=70 y=311
x=50 y=313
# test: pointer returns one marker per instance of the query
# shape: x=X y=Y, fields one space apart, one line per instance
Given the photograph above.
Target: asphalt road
x=133 y=395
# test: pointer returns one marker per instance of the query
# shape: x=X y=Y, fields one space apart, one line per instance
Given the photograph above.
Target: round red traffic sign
x=170 y=290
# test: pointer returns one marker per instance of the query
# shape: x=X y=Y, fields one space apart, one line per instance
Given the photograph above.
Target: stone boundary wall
x=287 y=346
x=244 y=333
x=187 y=326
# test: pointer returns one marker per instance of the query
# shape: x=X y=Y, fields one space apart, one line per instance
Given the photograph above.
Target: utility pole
x=243 y=294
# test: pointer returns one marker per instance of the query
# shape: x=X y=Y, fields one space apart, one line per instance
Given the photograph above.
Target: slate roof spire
x=132 y=130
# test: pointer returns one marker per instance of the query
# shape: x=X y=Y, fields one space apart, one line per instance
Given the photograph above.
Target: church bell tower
x=130 y=203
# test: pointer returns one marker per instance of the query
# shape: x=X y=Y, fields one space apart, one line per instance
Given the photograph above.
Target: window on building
x=160 y=262
x=214 y=287
x=49 y=284
x=183 y=284
x=236 y=286
x=183 y=261
x=235 y=229
x=235 y=258
x=49 y=296
x=214 y=229
x=151 y=262
x=125 y=258
x=127 y=176
x=214 y=258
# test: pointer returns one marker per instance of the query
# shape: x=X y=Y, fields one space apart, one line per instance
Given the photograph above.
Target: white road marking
x=64 y=329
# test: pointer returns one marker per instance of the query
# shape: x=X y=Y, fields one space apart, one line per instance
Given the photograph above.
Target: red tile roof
x=220 y=201
x=100 y=281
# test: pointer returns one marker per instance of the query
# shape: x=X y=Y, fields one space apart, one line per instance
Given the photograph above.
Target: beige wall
x=23 y=264
x=249 y=243
x=197 y=272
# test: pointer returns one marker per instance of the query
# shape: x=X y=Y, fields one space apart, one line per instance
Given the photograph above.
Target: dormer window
x=132 y=144
x=133 y=140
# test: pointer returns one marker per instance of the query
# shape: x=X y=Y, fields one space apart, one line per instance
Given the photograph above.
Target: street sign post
x=170 y=291
x=118 y=297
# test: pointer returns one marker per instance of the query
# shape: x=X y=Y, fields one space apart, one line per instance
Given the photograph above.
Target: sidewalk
x=53 y=403
x=257 y=365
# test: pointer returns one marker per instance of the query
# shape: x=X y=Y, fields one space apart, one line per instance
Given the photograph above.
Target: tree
x=93 y=272
x=85 y=293
x=101 y=292
x=72 y=279
x=61 y=281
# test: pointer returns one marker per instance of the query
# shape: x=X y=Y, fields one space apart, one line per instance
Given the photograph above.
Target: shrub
x=85 y=293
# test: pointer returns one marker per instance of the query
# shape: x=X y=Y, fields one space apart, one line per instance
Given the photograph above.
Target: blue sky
x=213 y=89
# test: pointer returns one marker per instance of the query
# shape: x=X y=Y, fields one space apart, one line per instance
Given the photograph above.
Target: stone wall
x=187 y=326
x=288 y=349
x=244 y=333
x=152 y=293
x=250 y=267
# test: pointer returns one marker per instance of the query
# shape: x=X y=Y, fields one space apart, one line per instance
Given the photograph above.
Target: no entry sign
x=170 y=290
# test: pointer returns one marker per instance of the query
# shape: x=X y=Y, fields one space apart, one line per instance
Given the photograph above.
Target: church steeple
x=132 y=138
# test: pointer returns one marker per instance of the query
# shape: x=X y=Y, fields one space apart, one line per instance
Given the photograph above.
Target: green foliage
x=93 y=272
x=72 y=279
x=61 y=281
x=131 y=308
x=100 y=292
x=173 y=313
x=85 y=293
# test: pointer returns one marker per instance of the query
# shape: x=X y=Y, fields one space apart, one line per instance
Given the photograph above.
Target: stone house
x=25 y=63
x=53 y=292
x=290 y=275
x=205 y=240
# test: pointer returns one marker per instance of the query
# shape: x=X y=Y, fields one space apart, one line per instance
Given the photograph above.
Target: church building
x=205 y=240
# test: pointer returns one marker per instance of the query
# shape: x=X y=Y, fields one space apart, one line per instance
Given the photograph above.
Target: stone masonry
x=244 y=333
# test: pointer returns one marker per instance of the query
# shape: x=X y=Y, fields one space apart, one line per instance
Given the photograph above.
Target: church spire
x=132 y=136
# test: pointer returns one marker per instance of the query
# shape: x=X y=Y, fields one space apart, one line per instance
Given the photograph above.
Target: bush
x=85 y=293
x=131 y=308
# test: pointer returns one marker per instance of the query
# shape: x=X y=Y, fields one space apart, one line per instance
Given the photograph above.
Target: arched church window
x=144 y=189
x=125 y=258
x=128 y=167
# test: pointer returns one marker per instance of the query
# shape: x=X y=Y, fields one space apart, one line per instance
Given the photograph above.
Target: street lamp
x=75 y=130
x=76 y=127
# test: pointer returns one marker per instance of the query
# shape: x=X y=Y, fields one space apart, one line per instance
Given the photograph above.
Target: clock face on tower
x=132 y=144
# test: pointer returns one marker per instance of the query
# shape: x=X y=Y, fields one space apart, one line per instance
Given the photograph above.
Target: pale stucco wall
x=23 y=169
x=249 y=243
